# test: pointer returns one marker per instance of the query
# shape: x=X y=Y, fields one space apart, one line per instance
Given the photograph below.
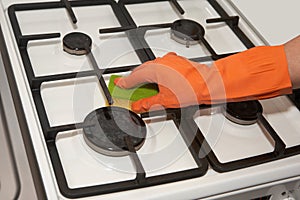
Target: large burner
x=77 y=43
x=187 y=32
x=244 y=113
x=105 y=130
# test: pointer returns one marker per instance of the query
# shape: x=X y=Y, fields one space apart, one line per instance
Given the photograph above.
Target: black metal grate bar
x=99 y=73
x=23 y=40
x=279 y=144
x=140 y=172
x=174 y=2
x=234 y=21
x=177 y=6
x=71 y=13
x=295 y=98
x=41 y=111
x=39 y=80
x=115 y=30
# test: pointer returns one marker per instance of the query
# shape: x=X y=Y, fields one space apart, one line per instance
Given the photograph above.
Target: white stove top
x=67 y=101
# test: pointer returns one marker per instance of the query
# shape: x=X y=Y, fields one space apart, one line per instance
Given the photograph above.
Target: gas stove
x=63 y=54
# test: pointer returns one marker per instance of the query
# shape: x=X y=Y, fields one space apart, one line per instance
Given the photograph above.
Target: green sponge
x=134 y=94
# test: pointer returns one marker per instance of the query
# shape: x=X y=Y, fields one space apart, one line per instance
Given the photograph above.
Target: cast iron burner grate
x=243 y=113
x=82 y=46
x=140 y=31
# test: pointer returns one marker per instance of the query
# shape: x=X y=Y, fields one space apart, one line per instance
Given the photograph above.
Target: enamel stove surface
x=188 y=153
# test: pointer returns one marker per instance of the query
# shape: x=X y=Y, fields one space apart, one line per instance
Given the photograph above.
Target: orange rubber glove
x=257 y=73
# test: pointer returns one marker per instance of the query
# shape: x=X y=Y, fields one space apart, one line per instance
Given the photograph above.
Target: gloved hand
x=258 y=73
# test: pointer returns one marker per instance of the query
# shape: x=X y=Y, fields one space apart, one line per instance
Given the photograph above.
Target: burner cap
x=244 y=113
x=105 y=130
x=77 y=43
x=186 y=31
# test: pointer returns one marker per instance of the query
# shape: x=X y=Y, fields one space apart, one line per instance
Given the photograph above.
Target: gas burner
x=244 y=113
x=187 y=32
x=77 y=43
x=105 y=131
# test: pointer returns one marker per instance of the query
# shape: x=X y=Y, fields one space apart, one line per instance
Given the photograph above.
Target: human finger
x=143 y=74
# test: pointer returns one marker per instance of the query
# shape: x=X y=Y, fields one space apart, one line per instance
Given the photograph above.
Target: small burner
x=187 y=32
x=77 y=43
x=105 y=130
x=244 y=113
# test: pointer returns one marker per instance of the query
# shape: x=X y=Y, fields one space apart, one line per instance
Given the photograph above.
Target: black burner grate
x=51 y=132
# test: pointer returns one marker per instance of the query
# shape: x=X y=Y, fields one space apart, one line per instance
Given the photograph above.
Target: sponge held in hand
x=134 y=94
